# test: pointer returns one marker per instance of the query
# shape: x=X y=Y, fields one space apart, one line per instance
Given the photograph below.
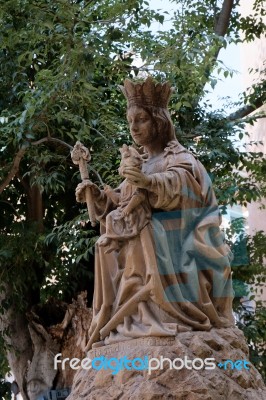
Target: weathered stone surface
x=184 y=384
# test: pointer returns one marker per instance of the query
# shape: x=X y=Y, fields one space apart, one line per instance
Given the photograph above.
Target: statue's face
x=141 y=126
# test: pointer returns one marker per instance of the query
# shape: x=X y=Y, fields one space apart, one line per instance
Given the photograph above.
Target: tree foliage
x=61 y=62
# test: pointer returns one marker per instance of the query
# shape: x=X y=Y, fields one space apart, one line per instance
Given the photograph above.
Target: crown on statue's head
x=147 y=93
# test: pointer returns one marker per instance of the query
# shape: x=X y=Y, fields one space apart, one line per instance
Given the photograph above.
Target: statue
x=161 y=264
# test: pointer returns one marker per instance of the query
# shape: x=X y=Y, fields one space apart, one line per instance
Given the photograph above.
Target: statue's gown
x=175 y=274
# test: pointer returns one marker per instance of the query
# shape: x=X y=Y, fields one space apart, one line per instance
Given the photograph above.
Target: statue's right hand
x=80 y=190
x=107 y=188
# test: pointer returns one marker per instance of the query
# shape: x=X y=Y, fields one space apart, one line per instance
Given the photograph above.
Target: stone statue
x=161 y=264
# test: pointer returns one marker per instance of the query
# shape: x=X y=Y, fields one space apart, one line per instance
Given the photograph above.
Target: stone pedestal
x=220 y=383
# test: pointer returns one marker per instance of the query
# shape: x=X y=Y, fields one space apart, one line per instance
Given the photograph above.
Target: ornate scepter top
x=80 y=152
x=148 y=93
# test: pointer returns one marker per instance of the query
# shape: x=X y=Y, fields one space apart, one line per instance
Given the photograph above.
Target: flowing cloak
x=174 y=275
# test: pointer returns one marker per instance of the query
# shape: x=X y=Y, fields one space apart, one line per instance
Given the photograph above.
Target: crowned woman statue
x=172 y=274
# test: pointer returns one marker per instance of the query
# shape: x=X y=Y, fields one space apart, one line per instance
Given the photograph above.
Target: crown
x=147 y=93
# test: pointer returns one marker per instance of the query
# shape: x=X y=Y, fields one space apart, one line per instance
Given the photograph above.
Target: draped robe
x=174 y=275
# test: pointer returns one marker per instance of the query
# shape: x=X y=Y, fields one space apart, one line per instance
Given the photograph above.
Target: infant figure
x=133 y=211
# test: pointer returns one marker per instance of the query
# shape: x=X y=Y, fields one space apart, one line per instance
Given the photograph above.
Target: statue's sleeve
x=179 y=186
x=103 y=204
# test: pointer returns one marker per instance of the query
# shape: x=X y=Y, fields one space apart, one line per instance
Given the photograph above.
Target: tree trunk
x=15 y=331
x=32 y=341
x=32 y=345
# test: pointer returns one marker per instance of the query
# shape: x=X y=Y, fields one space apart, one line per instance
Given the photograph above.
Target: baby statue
x=133 y=211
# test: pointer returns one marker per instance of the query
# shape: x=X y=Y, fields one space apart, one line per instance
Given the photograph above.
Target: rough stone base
x=184 y=384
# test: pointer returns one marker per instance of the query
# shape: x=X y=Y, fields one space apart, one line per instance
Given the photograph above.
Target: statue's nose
x=134 y=126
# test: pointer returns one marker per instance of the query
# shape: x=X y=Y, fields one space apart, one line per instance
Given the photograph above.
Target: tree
x=61 y=62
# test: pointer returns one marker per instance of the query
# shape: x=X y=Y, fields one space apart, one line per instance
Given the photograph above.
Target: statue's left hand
x=136 y=177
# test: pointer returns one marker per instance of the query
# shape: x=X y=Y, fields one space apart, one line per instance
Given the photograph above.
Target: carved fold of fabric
x=125 y=227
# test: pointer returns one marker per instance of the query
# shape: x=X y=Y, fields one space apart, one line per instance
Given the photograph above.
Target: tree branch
x=223 y=20
x=246 y=110
x=51 y=139
x=220 y=29
x=14 y=169
x=97 y=174
x=20 y=154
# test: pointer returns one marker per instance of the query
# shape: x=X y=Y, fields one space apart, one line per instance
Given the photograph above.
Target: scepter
x=81 y=156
